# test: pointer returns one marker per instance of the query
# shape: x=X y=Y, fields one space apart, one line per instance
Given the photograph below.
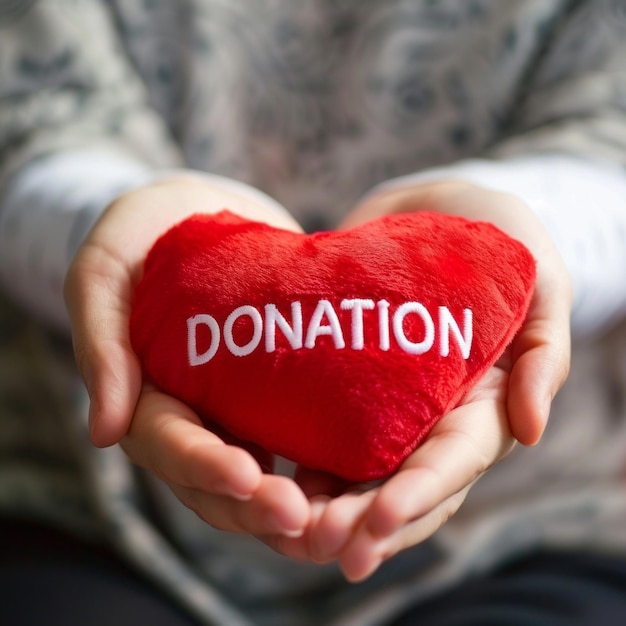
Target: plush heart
x=337 y=350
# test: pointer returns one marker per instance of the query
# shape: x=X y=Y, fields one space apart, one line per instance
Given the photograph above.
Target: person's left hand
x=361 y=527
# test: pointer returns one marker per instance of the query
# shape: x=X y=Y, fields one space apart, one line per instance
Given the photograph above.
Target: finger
x=265 y=459
x=337 y=523
x=298 y=548
x=169 y=440
x=461 y=447
x=433 y=482
x=97 y=293
x=541 y=359
x=365 y=552
x=535 y=378
x=278 y=507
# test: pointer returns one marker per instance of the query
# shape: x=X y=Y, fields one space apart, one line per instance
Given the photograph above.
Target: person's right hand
x=223 y=483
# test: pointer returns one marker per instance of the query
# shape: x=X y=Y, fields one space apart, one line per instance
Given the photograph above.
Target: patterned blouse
x=315 y=102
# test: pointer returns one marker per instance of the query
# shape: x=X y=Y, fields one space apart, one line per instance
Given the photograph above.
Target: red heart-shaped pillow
x=338 y=350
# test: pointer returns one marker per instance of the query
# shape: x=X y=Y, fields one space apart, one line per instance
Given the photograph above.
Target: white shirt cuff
x=48 y=208
x=582 y=204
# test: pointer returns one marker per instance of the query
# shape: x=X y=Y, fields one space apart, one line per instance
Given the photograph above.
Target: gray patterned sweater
x=314 y=102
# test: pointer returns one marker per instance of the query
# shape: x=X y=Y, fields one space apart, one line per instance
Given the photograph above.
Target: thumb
x=541 y=360
x=98 y=296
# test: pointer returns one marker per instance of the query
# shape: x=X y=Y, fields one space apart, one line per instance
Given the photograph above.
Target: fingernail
x=318 y=506
x=365 y=573
x=242 y=497
x=276 y=527
x=226 y=489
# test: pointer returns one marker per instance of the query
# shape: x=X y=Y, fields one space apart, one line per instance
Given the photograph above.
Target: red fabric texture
x=353 y=411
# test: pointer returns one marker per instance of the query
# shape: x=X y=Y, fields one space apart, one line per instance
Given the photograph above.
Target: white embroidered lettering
x=274 y=318
x=411 y=335
x=413 y=347
x=383 y=324
x=257 y=322
x=316 y=328
x=357 y=306
x=448 y=324
x=192 y=339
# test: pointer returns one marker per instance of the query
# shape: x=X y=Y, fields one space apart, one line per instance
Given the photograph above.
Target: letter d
x=192 y=336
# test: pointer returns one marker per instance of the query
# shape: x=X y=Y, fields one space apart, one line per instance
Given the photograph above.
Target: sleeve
x=573 y=100
x=564 y=153
x=67 y=84
x=76 y=130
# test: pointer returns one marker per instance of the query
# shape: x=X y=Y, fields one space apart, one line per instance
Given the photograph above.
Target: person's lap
x=48 y=577
x=543 y=589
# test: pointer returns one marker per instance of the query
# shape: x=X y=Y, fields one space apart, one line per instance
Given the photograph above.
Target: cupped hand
x=364 y=527
x=102 y=277
x=541 y=349
x=223 y=483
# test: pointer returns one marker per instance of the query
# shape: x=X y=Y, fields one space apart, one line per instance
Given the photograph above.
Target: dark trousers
x=542 y=589
x=48 y=578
